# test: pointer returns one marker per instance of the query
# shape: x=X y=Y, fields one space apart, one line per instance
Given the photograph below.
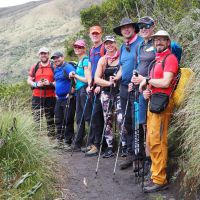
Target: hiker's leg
x=98 y=123
x=49 y=106
x=80 y=103
x=108 y=118
x=69 y=131
x=157 y=125
x=36 y=109
x=128 y=123
x=59 y=116
x=120 y=121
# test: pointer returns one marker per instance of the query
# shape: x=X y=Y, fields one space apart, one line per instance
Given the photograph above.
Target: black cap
x=57 y=54
x=146 y=20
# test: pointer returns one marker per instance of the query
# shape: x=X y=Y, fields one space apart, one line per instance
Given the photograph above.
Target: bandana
x=112 y=58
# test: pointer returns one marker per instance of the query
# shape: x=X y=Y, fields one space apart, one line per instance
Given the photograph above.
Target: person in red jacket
x=161 y=81
x=41 y=78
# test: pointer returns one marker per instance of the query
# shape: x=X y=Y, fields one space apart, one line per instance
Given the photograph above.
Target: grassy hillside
x=25 y=28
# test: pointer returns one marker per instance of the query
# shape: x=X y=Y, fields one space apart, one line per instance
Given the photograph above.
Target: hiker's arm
x=80 y=78
x=99 y=72
x=118 y=75
x=89 y=73
x=164 y=82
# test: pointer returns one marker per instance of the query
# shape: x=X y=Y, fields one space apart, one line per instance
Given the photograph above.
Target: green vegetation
x=181 y=19
x=26 y=167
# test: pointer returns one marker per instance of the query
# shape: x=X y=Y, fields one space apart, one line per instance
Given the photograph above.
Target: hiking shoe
x=93 y=151
x=76 y=149
x=67 y=147
x=148 y=183
x=153 y=187
x=127 y=163
x=124 y=151
x=86 y=149
x=109 y=153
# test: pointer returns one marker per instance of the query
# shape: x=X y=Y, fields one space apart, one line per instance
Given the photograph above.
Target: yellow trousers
x=157 y=131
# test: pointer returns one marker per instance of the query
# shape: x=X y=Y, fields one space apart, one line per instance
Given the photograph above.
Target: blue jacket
x=62 y=86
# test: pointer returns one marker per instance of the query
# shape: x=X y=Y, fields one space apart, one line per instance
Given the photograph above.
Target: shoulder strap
x=102 y=50
x=83 y=60
x=163 y=61
x=36 y=68
x=64 y=72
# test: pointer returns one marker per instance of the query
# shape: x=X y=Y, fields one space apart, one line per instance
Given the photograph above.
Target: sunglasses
x=78 y=47
x=146 y=26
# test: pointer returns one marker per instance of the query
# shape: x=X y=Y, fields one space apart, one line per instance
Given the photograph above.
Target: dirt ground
x=78 y=181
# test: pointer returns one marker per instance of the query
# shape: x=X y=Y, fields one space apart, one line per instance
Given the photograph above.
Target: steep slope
x=25 y=28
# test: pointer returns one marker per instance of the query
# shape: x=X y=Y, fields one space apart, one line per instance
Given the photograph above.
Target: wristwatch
x=147 y=80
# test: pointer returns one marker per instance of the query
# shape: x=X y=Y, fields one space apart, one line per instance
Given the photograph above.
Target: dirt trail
x=77 y=180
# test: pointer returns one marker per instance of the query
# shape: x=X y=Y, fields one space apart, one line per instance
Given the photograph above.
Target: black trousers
x=83 y=114
x=44 y=106
x=64 y=118
x=97 y=123
x=131 y=136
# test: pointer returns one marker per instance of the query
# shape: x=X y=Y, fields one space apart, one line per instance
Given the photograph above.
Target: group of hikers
x=127 y=90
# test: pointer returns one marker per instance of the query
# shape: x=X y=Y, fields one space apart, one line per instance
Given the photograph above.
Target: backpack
x=102 y=50
x=37 y=67
x=181 y=81
x=176 y=49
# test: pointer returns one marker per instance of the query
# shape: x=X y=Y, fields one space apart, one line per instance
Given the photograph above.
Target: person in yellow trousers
x=159 y=87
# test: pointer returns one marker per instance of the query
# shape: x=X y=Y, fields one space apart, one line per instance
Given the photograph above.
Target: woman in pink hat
x=81 y=95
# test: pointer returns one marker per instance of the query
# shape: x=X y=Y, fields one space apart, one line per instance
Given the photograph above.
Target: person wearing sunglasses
x=145 y=56
x=128 y=30
x=81 y=94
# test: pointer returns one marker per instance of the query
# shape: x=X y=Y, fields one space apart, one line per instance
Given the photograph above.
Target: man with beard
x=161 y=82
x=41 y=78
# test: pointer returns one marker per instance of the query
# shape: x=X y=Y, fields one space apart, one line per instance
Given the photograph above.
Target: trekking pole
x=136 y=128
x=103 y=133
x=90 y=125
x=121 y=132
x=86 y=101
x=40 y=109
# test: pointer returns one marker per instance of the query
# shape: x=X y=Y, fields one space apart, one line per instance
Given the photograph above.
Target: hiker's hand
x=113 y=79
x=97 y=90
x=130 y=87
x=136 y=80
x=147 y=93
x=72 y=75
x=89 y=89
x=46 y=82
x=40 y=83
x=142 y=85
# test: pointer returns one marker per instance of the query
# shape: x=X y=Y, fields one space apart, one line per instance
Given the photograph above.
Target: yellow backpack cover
x=178 y=95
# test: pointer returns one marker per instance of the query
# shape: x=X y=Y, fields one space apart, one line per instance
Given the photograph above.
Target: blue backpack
x=176 y=49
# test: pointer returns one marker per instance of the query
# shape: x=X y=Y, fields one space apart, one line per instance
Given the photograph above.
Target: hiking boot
x=147 y=183
x=86 y=149
x=109 y=153
x=59 y=145
x=124 y=151
x=127 y=163
x=153 y=187
x=93 y=151
x=67 y=147
x=76 y=149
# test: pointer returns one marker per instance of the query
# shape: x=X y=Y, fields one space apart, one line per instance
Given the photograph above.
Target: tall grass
x=22 y=152
x=26 y=162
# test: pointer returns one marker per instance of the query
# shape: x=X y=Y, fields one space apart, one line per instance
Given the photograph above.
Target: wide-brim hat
x=161 y=33
x=123 y=22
